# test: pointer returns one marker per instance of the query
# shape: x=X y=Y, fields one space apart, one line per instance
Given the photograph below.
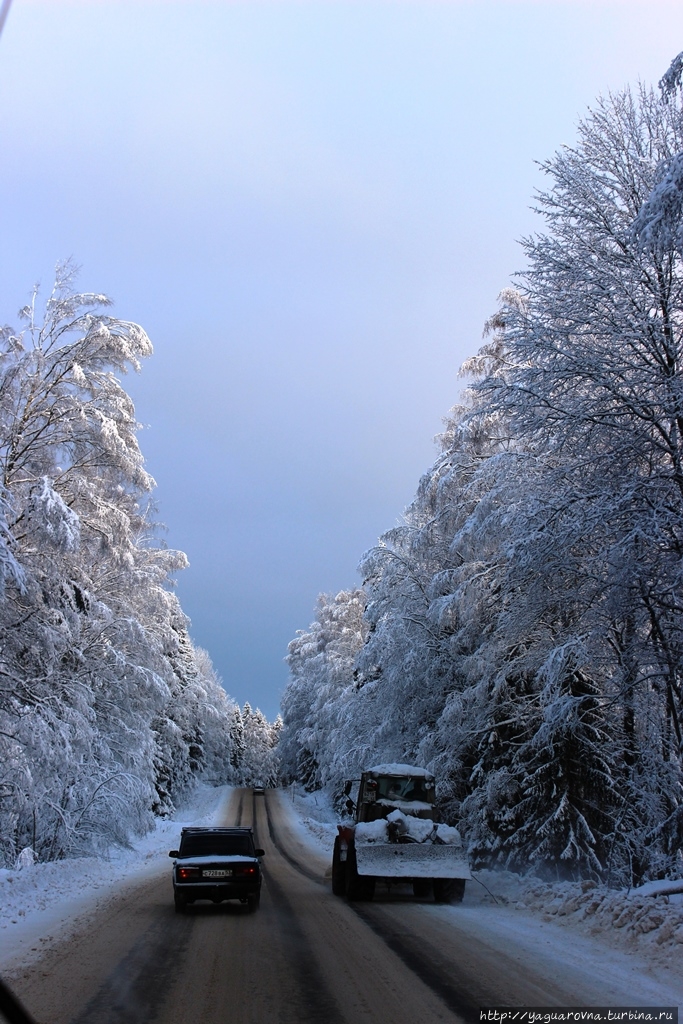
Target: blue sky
x=311 y=208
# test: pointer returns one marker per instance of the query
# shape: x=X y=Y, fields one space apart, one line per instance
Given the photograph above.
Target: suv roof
x=217 y=842
x=236 y=831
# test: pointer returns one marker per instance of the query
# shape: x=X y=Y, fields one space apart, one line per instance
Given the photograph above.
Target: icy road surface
x=307 y=956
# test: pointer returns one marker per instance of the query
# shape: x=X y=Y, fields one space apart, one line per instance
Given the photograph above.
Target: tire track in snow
x=139 y=984
x=240 y=810
x=138 y=987
x=284 y=852
x=315 y=1003
x=412 y=952
x=422 y=961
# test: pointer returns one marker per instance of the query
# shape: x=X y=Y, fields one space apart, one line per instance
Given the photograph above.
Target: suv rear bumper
x=215 y=891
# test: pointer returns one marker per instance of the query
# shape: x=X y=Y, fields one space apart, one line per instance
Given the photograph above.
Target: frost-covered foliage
x=523 y=632
x=660 y=219
x=314 y=747
x=107 y=712
x=258 y=763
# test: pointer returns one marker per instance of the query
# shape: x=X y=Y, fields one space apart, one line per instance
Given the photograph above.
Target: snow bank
x=664 y=886
x=38 y=901
x=315 y=816
x=633 y=920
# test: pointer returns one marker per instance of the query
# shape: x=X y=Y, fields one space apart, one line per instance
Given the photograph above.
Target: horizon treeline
x=520 y=633
x=108 y=712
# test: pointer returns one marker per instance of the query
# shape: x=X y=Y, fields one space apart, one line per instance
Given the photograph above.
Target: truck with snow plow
x=395 y=837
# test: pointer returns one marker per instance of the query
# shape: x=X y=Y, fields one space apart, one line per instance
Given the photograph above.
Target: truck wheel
x=359 y=888
x=338 y=870
x=449 y=890
x=422 y=888
x=458 y=890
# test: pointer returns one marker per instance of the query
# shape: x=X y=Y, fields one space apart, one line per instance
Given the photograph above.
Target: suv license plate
x=215 y=873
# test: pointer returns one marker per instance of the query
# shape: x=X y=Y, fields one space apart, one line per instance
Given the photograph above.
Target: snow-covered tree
x=593 y=384
x=523 y=635
x=259 y=763
x=321 y=661
x=103 y=699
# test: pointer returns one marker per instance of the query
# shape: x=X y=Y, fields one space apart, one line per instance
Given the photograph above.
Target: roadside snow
x=313 y=818
x=636 y=934
x=631 y=920
x=38 y=902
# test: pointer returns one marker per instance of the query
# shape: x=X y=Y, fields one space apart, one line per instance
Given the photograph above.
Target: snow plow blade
x=411 y=860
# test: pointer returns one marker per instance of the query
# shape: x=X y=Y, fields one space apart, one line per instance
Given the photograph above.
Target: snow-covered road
x=88 y=949
x=545 y=930
x=42 y=905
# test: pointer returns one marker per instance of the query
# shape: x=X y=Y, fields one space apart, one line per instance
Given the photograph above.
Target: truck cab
x=396 y=837
x=382 y=791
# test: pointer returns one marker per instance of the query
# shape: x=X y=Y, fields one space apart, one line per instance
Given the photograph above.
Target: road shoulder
x=560 y=926
x=44 y=905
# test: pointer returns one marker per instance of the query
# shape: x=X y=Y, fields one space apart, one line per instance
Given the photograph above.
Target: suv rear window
x=208 y=845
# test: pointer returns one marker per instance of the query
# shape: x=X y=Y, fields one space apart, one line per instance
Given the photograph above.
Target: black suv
x=216 y=864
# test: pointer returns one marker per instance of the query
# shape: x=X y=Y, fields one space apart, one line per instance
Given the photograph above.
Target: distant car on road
x=216 y=864
x=259 y=789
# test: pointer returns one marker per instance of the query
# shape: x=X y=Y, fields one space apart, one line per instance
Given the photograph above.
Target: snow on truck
x=395 y=837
